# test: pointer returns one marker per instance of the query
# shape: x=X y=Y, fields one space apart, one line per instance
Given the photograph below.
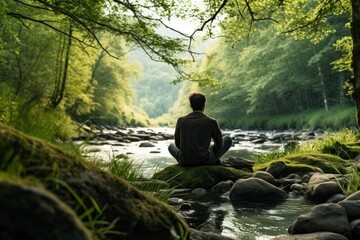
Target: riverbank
x=31 y=162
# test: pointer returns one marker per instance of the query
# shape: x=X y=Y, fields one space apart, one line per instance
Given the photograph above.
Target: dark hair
x=197 y=101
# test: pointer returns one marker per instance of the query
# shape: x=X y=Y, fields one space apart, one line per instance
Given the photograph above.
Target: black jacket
x=193 y=134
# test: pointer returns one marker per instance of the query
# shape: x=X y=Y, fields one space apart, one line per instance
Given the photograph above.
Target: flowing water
x=246 y=222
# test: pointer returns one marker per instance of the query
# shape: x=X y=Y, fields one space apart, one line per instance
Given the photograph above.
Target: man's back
x=193 y=136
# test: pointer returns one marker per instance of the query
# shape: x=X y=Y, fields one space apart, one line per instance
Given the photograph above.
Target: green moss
x=33 y=155
x=306 y=162
x=201 y=176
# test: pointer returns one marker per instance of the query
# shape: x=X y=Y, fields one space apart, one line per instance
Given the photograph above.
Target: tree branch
x=211 y=19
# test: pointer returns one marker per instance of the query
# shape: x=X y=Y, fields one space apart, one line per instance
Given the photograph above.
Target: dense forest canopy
x=69 y=60
x=273 y=75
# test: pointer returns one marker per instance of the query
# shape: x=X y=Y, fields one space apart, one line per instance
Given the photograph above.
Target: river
x=252 y=222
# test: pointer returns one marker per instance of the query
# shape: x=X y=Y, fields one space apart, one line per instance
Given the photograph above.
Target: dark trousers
x=227 y=142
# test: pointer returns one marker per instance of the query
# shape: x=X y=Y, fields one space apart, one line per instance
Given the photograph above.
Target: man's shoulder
x=210 y=118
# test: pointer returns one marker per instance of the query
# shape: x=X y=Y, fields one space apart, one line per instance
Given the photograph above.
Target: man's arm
x=177 y=134
x=217 y=137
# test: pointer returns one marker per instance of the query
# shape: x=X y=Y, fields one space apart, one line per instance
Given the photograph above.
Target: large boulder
x=76 y=182
x=256 y=190
x=321 y=192
x=322 y=187
x=328 y=217
x=352 y=208
x=200 y=176
x=31 y=212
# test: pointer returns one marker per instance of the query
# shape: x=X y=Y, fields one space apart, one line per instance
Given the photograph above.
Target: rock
x=352 y=208
x=215 y=221
x=199 y=191
x=239 y=163
x=265 y=176
x=297 y=187
x=29 y=212
x=276 y=168
x=222 y=187
x=287 y=182
x=328 y=217
x=133 y=138
x=336 y=198
x=256 y=190
x=199 y=235
x=201 y=176
x=259 y=140
x=313 y=236
x=322 y=177
x=146 y=144
x=321 y=192
x=306 y=178
x=355 y=228
x=175 y=201
x=142 y=136
x=135 y=214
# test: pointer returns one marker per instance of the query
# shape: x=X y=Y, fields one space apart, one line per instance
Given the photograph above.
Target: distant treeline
x=273 y=81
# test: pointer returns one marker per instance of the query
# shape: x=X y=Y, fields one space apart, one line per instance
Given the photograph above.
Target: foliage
x=133 y=173
x=318 y=146
x=35 y=74
x=261 y=77
x=352 y=179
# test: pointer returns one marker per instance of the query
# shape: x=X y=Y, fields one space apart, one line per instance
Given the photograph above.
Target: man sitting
x=193 y=135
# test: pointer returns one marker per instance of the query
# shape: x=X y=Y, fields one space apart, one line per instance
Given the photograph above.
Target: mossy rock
x=51 y=220
x=70 y=177
x=201 y=176
x=307 y=162
x=345 y=151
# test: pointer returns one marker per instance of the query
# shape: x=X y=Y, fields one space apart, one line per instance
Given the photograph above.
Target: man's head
x=197 y=101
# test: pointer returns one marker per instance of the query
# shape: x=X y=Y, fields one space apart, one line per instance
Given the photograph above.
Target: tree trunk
x=323 y=91
x=355 y=34
x=58 y=96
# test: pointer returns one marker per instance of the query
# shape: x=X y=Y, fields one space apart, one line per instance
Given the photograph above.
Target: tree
x=310 y=19
x=134 y=21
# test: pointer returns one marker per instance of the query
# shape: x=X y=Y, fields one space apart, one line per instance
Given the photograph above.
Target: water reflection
x=240 y=220
x=260 y=222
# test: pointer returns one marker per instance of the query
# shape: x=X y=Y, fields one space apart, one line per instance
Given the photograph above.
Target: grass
x=352 y=180
x=133 y=173
x=92 y=216
x=329 y=139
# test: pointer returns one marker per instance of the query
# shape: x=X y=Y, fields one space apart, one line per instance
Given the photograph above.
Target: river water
x=245 y=222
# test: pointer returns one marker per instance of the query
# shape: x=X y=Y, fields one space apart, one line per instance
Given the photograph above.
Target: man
x=193 y=135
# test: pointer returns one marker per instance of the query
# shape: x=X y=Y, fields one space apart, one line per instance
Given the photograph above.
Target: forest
x=271 y=64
